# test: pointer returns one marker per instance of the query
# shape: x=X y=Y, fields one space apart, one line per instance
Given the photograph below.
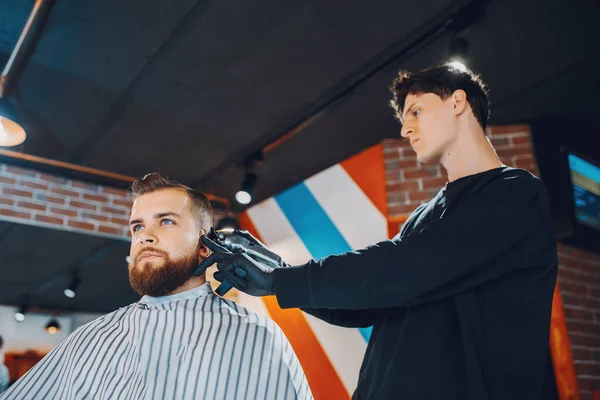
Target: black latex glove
x=239 y=269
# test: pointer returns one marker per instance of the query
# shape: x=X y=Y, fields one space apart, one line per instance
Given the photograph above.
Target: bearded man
x=180 y=340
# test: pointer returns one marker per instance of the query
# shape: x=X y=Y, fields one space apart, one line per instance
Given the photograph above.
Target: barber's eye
x=416 y=112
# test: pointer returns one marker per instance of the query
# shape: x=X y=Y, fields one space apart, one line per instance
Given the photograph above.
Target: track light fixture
x=226 y=223
x=458 y=53
x=20 y=315
x=71 y=291
x=244 y=195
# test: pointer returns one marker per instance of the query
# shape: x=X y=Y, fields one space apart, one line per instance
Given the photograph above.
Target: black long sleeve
x=346 y=318
x=474 y=245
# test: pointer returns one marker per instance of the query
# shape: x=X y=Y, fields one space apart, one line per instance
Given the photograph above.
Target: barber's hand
x=239 y=269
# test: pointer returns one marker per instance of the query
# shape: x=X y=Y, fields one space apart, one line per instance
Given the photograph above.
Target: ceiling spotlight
x=20 y=315
x=71 y=291
x=459 y=66
x=11 y=131
x=244 y=195
x=53 y=326
x=459 y=48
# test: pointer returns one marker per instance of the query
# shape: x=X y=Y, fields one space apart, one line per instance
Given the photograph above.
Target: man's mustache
x=150 y=250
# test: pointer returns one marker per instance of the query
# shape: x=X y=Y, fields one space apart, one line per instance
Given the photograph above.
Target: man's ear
x=459 y=102
x=204 y=251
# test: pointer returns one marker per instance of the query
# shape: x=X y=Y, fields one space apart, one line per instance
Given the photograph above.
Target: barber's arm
x=468 y=248
x=449 y=256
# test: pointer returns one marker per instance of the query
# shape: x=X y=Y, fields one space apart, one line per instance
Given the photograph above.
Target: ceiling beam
x=108 y=178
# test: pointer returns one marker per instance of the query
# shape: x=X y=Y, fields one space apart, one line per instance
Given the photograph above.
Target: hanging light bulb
x=11 y=132
x=53 y=326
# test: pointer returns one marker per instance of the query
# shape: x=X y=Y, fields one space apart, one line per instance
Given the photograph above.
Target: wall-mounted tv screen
x=568 y=157
x=585 y=183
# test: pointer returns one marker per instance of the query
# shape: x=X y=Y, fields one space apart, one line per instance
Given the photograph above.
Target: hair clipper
x=241 y=241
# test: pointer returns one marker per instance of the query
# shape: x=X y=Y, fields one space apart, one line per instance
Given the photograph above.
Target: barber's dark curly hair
x=443 y=81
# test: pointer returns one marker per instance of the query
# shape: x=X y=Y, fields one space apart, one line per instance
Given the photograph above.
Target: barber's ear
x=204 y=251
x=459 y=102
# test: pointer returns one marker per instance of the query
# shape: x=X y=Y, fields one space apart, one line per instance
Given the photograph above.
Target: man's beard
x=156 y=281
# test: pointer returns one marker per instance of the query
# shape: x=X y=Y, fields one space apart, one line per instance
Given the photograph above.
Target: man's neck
x=470 y=154
x=190 y=284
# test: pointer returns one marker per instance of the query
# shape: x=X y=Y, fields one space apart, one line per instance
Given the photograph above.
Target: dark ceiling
x=191 y=88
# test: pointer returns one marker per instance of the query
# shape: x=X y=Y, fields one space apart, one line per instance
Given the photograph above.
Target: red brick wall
x=35 y=198
x=579 y=283
x=410 y=184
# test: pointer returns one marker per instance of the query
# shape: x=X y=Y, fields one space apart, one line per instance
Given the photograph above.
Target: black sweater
x=460 y=300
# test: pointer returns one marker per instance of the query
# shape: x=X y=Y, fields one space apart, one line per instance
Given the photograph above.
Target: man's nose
x=147 y=238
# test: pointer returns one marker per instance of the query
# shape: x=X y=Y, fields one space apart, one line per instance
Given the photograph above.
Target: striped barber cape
x=191 y=345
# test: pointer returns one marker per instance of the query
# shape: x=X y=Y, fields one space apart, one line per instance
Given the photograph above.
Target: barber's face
x=429 y=123
x=165 y=245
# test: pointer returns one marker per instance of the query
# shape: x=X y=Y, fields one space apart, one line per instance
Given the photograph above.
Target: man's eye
x=167 y=221
x=136 y=228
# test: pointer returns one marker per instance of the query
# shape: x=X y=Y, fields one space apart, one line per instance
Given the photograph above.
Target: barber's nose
x=406 y=130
